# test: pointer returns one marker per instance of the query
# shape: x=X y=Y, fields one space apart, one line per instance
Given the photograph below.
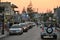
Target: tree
x=30 y=11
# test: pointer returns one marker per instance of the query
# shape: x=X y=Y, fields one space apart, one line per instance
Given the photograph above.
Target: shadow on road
x=48 y=39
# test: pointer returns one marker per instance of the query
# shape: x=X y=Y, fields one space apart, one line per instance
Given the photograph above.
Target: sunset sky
x=42 y=5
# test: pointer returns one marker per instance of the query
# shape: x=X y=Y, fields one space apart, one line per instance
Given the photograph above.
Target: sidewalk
x=5 y=34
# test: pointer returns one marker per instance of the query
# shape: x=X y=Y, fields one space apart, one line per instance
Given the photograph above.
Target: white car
x=48 y=32
x=15 y=29
x=31 y=24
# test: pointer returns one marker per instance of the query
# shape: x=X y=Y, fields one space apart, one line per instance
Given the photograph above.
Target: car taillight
x=55 y=30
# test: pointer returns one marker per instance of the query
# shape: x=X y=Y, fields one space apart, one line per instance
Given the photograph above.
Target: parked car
x=30 y=24
x=24 y=26
x=33 y=24
x=15 y=29
x=48 y=32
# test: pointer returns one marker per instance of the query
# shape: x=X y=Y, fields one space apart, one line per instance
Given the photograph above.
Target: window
x=1 y=9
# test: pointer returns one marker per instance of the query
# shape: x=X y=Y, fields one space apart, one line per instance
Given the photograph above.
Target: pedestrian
x=6 y=27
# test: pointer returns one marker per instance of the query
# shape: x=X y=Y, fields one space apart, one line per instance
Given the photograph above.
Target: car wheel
x=55 y=36
x=25 y=31
x=54 y=39
x=41 y=36
x=20 y=33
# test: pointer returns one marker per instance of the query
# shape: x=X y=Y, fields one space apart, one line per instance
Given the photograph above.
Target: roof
x=14 y=6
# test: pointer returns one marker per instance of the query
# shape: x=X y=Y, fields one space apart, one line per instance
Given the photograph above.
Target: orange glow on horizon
x=42 y=5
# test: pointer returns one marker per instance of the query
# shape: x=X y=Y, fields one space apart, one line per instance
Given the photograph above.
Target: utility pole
x=2 y=19
x=3 y=24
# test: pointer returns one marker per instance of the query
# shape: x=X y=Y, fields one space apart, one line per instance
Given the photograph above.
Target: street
x=21 y=15
x=32 y=34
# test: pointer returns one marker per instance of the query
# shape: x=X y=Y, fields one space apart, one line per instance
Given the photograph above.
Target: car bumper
x=11 y=32
x=25 y=29
x=49 y=36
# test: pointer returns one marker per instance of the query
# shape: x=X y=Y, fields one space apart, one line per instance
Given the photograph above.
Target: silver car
x=31 y=24
x=15 y=29
x=48 y=32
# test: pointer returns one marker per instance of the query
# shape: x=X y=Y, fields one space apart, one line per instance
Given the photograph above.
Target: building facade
x=7 y=9
x=57 y=13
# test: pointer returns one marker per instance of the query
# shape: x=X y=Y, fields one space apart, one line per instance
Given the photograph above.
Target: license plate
x=14 y=31
x=17 y=31
x=48 y=36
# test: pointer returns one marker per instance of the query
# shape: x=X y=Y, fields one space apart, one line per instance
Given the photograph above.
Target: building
x=37 y=17
x=17 y=17
x=57 y=13
x=7 y=9
x=29 y=8
x=25 y=17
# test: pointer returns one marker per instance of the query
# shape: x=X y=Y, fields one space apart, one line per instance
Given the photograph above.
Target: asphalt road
x=32 y=34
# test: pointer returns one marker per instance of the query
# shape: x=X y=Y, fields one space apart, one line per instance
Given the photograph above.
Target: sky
x=42 y=5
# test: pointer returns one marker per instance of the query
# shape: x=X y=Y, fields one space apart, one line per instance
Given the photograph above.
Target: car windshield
x=15 y=26
x=23 y=25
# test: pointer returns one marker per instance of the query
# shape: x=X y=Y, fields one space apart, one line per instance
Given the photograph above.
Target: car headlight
x=20 y=28
x=24 y=27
